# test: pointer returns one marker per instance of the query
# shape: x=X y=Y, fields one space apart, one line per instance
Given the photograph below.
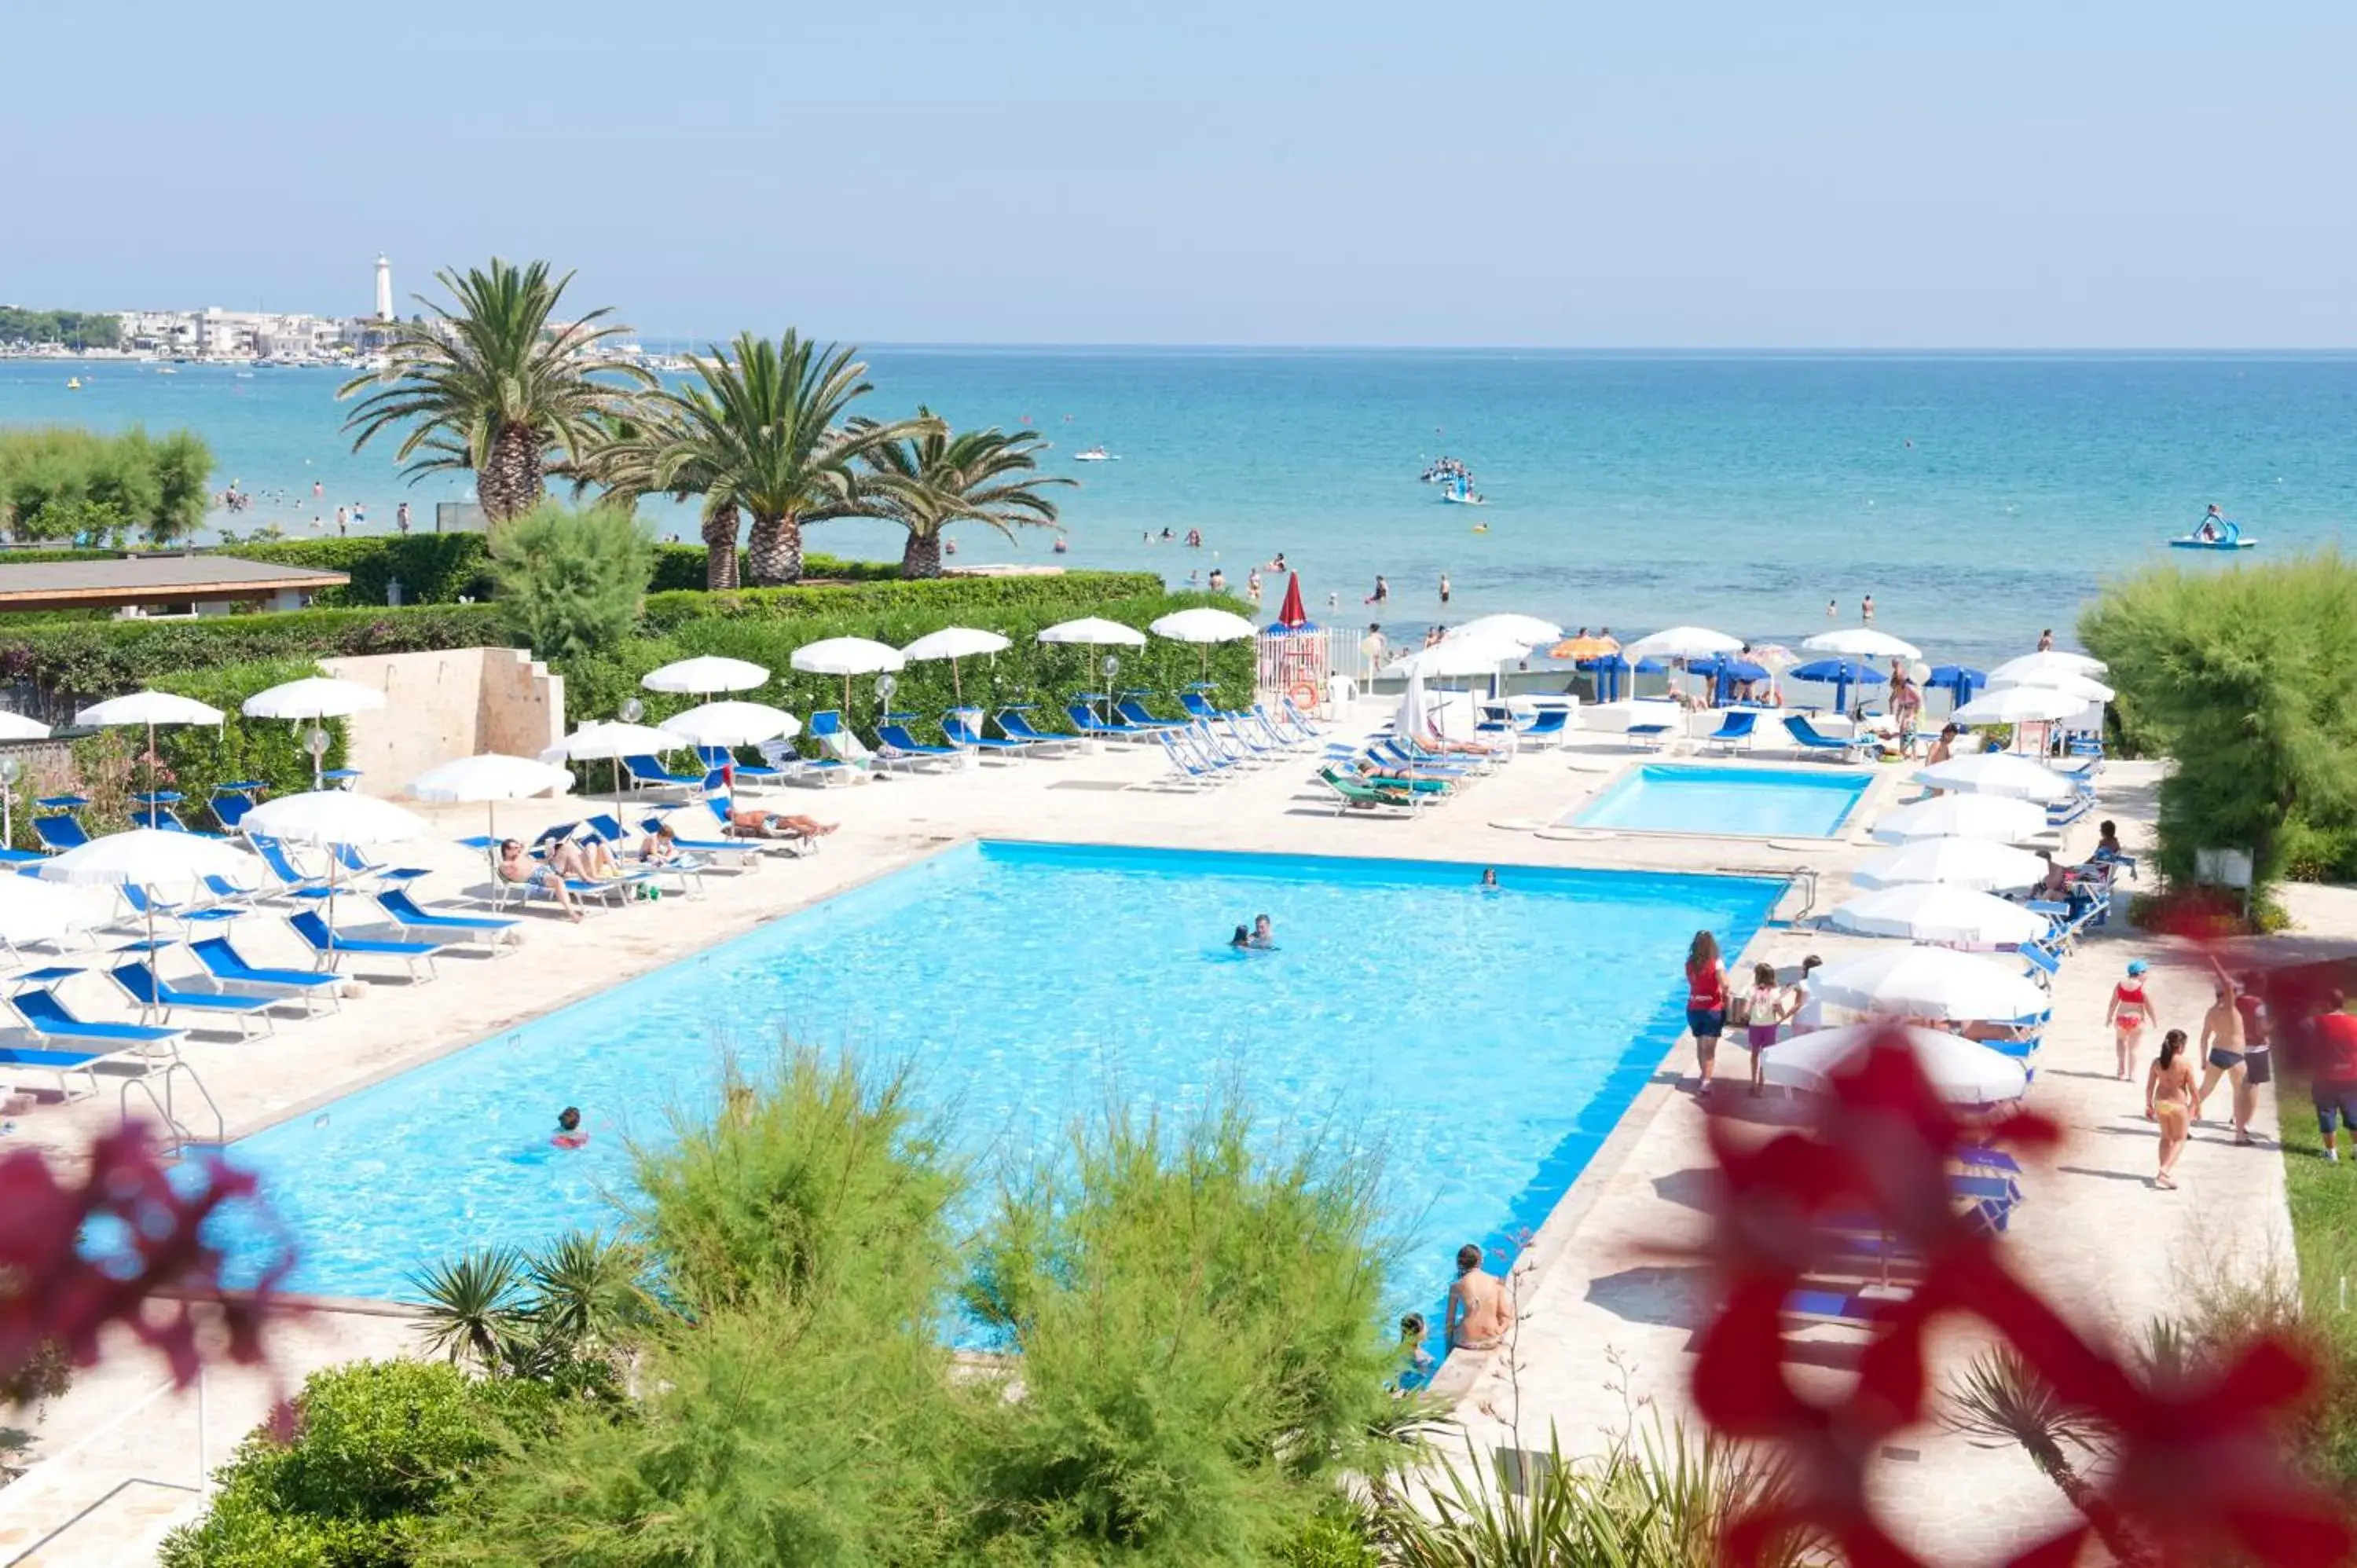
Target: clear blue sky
x=1689 y=173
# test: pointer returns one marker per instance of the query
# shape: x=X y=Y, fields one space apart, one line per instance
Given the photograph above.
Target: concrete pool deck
x=1607 y=1320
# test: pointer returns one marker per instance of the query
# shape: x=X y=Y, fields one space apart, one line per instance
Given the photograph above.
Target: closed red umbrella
x=1293 y=615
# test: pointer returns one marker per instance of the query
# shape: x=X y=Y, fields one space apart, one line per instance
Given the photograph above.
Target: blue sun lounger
x=902 y=749
x=1735 y=730
x=648 y=773
x=411 y=917
x=333 y=946
x=225 y=966
x=1085 y=721
x=1014 y=724
x=154 y=995
x=63 y=1042
x=965 y=729
x=60 y=834
x=1132 y=708
x=1805 y=736
x=290 y=877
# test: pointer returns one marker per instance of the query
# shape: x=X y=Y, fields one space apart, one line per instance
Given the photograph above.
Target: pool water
x=1487 y=1041
x=1738 y=802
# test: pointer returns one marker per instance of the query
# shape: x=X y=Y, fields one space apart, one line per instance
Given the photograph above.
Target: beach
x=1975 y=496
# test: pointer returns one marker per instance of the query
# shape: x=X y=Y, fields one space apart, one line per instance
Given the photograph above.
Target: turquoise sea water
x=1977 y=498
x=1747 y=803
x=1031 y=985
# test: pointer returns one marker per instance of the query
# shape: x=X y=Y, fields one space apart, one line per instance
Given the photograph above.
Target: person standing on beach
x=1444 y=587
x=2168 y=1095
x=1866 y=609
x=1219 y=581
x=2221 y=1046
x=1372 y=645
x=343 y=521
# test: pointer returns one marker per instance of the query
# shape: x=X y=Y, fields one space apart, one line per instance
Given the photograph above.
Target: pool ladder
x=178 y=1132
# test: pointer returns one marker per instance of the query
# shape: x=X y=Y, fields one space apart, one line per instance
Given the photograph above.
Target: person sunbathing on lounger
x=752 y=823
x=660 y=847
x=514 y=866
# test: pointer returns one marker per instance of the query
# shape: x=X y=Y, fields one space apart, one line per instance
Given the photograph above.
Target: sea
x=1979 y=499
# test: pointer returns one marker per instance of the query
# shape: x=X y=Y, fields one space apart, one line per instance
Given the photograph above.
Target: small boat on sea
x=1096 y=454
x=1462 y=493
x=2215 y=533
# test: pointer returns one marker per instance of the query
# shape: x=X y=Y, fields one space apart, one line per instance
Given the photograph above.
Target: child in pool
x=569 y=1134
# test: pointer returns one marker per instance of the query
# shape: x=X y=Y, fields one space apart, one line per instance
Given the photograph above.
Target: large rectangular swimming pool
x=1738 y=802
x=1488 y=1041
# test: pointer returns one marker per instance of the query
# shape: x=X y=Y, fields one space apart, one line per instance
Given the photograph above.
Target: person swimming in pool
x=1241 y=941
x=1490 y=879
x=569 y=1134
x=1263 y=934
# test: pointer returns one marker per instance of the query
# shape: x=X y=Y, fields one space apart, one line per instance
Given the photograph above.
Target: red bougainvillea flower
x=2197 y=1477
x=158 y=1268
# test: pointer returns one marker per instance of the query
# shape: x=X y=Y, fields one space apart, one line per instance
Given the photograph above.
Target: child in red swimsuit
x=2128 y=1014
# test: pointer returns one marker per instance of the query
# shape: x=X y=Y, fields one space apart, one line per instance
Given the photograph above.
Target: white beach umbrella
x=1997 y=773
x=1682 y=642
x=1962 y=1071
x=1861 y=643
x=1957 y=862
x=1528 y=630
x=148 y=709
x=2086 y=688
x=732 y=724
x=1454 y=658
x=704 y=674
x=2053 y=661
x=16 y=726
x=1413 y=720
x=1203 y=625
x=849 y=656
x=1930 y=983
x=147 y=858
x=1930 y=912
x=317 y=698
x=331 y=817
x=953 y=643
x=2019 y=705
x=611 y=740
x=1991 y=817
x=1094 y=631
x=490 y=778
x=32 y=911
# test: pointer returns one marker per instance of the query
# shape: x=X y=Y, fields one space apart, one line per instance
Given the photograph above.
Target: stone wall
x=446 y=705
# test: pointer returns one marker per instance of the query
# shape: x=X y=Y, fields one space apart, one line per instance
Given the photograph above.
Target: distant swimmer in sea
x=569 y=1134
x=1276 y=562
x=1444 y=587
x=1062 y=546
x=1832 y=609
x=1383 y=594
x=1866 y=609
x=2046 y=640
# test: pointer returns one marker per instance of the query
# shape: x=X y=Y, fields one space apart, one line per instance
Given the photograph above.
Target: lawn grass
x=2323 y=1199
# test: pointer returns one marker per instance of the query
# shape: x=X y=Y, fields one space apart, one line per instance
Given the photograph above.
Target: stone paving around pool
x=1608 y=1320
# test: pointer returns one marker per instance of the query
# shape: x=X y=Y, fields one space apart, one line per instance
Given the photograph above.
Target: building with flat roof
x=166 y=585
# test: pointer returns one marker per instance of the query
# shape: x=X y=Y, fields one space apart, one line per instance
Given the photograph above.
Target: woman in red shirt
x=1706 y=1003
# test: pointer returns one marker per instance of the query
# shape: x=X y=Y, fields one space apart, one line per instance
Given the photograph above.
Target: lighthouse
x=383 y=289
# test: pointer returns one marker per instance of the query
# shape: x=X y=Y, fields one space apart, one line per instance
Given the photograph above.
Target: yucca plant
x=587 y=1294
x=1662 y=1502
x=1999 y=1399
x=474 y=1308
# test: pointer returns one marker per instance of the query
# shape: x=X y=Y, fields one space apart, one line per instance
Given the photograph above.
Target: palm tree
x=625 y=462
x=936 y=477
x=492 y=386
x=764 y=431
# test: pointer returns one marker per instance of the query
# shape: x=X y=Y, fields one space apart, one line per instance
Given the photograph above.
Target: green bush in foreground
x=377 y=1448
x=2241 y=676
x=71 y=484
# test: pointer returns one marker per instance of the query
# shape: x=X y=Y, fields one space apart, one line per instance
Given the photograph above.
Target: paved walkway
x=2092 y=1231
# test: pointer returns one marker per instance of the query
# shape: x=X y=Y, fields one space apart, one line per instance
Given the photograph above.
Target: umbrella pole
x=957 y=687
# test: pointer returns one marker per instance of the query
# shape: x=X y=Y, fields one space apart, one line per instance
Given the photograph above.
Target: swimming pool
x=1738 y=802
x=1489 y=1041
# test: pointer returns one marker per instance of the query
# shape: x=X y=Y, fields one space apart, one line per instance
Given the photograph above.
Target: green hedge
x=442 y=568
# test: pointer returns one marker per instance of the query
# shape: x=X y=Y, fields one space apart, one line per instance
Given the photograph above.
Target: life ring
x=1303 y=696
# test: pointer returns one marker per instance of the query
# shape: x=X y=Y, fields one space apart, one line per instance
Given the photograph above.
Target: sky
x=1683 y=174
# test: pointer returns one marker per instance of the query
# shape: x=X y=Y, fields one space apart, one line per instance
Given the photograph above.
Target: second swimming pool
x=1738 y=802
x=1489 y=1041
